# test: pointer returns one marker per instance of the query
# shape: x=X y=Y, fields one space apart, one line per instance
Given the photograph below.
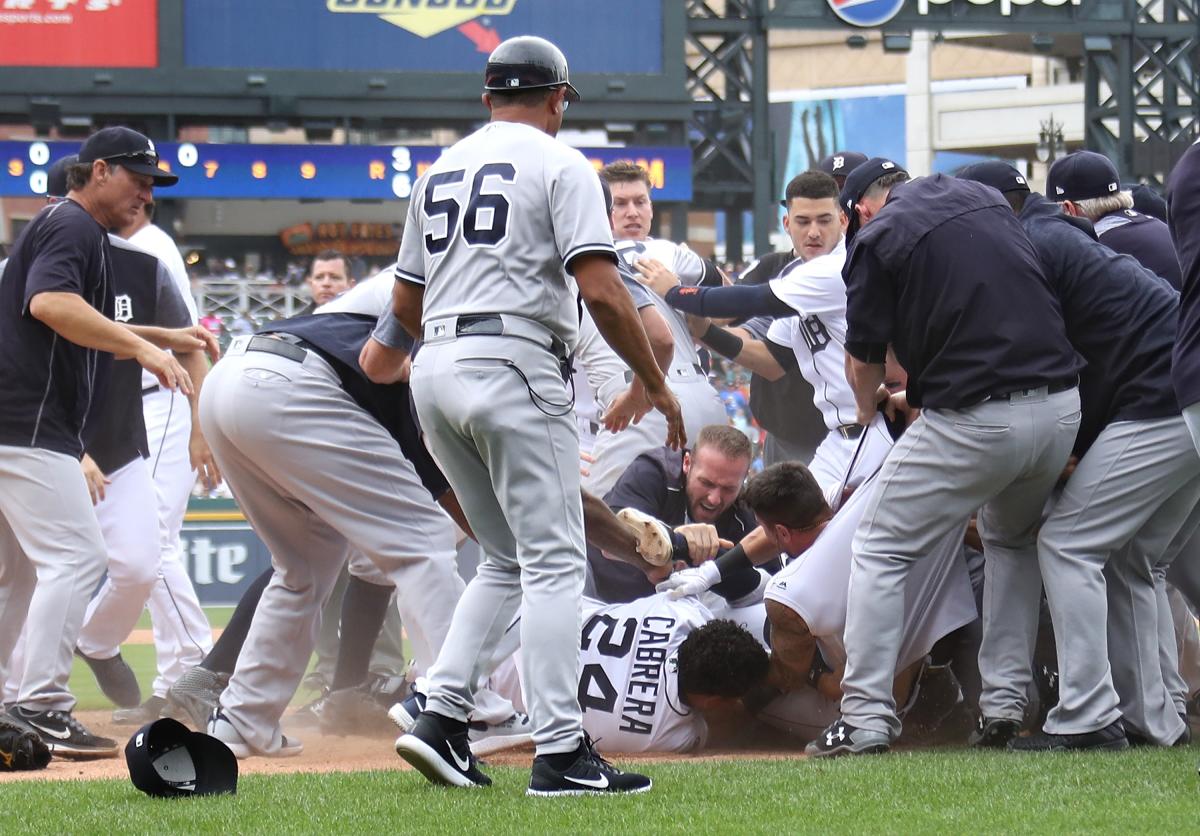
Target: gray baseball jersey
x=459 y=242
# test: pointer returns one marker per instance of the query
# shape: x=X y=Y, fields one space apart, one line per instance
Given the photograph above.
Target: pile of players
x=973 y=392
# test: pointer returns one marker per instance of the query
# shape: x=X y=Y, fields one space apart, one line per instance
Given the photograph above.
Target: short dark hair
x=1016 y=199
x=811 y=185
x=78 y=176
x=520 y=98
x=721 y=659
x=331 y=255
x=787 y=494
x=727 y=440
x=885 y=183
x=626 y=171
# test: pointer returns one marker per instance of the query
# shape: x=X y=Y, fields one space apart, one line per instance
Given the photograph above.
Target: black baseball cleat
x=589 y=774
x=116 y=679
x=438 y=748
x=993 y=732
x=841 y=738
x=1111 y=737
x=63 y=734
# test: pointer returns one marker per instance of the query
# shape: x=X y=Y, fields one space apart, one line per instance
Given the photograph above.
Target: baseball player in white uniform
x=502 y=232
x=609 y=377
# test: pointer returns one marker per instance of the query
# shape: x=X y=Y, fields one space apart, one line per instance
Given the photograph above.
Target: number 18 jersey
x=493 y=225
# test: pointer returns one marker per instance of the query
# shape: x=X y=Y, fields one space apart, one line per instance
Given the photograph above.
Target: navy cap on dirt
x=857 y=183
x=1082 y=176
x=841 y=163
x=56 y=176
x=527 y=63
x=129 y=149
x=1000 y=176
x=167 y=759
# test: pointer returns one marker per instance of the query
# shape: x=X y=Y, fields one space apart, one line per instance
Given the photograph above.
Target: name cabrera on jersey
x=476 y=231
x=628 y=688
x=817 y=335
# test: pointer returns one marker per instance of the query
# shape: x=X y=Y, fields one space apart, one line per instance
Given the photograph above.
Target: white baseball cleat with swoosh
x=589 y=774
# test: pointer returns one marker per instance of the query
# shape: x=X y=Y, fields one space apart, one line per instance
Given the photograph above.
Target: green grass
x=949 y=791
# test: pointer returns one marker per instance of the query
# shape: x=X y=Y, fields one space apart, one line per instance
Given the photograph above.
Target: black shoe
x=1137 y=738
x=1111 y=737
x=993 y=732
x=116 y=679
x=66 y=736
x=590 y=774
x=145 y=713
x=841 y=738
x=437 y=747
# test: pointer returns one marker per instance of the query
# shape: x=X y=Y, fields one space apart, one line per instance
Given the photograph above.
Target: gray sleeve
x=577 y=208
x=172 y=310
x=757 y=326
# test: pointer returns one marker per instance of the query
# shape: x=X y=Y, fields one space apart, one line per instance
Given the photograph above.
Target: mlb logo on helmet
x=866 y=12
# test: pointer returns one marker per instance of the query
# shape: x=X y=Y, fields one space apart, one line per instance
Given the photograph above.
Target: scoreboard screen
x=314 y=172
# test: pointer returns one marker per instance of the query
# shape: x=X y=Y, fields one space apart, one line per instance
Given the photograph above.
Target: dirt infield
x=321 y=754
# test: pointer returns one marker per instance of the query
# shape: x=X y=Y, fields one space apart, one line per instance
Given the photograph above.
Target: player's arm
x=870 y=315
x=617 y=321
x=614 y=538
x=762 y=357
x=724 y=302
x=866 y=380
x=631 y=405
x=793 y=650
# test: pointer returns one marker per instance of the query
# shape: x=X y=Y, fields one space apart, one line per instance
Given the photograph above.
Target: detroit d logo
x=123 y=308
x=424 y=18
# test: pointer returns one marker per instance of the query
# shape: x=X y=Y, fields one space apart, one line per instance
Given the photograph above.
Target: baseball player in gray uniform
x=502 y=231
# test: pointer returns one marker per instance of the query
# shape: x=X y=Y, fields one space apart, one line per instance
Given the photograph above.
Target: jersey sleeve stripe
x=411 y=278
x=598 y=247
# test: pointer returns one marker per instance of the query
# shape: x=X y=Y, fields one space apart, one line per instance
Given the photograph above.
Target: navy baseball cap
x=166 y=759
x=1082 y=176
x=857 y=183
x=841 y=163
x=129 y=149
x=56 y=177
x=1000 y=176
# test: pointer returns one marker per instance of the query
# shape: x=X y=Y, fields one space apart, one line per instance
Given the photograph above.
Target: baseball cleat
x=437 y=748
x=404 y=713
x=487 y=739
x=116 y=679
x=65 y=736
x=841 y=738
x=351 y=711
x=145 y=713
x=1111 y=737
x=993 y=732
x=195 y=694
x=223 y=730
x=590 y=774
x=653 y=536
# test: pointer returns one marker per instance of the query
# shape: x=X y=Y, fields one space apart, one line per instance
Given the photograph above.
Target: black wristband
x=723 y=342
x=732 y=562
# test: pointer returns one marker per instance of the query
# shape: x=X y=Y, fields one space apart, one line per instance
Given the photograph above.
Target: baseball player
x=1135 y=484
x=501 y=231
x=1183 y=199
x=933 y=273
x=618 y=396
x=57 y=339
x=809 y=299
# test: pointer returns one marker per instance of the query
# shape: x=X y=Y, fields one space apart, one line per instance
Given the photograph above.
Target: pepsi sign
x=866 y=12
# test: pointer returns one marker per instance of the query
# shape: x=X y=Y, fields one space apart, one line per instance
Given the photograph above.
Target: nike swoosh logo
x=61 y=735
x=600 y=783
x=462 y=764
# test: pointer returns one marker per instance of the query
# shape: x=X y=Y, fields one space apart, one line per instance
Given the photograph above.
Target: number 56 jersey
x=628 y=687
x=493 y=226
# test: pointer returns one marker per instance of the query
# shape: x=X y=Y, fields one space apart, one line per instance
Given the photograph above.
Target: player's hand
x=629 y=407
x=165 y=367
x=201 y=458
x=382 y=364
x=664 y=401
x=95 y=478
x=691 y=581
x=655 y=275
x=586 y=459
x=703 y=541
x=192 y=338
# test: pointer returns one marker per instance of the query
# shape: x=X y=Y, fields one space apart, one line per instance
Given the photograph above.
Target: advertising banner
x=78 y=33
x=597 y=36
x=330 y=172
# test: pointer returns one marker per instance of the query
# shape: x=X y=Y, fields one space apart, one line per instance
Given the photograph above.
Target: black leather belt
x=150 y=390
x=285 y=345
x=850 y=431
x=492 y=325
x=1052 y=388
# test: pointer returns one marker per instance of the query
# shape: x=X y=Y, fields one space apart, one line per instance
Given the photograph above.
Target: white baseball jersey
x=815 y=290
x=815 y=585
x=628 y=687
x=153 y=240
x=594 y=355
x=475 y=233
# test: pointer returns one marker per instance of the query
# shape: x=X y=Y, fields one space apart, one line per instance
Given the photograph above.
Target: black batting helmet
x=527 y=63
